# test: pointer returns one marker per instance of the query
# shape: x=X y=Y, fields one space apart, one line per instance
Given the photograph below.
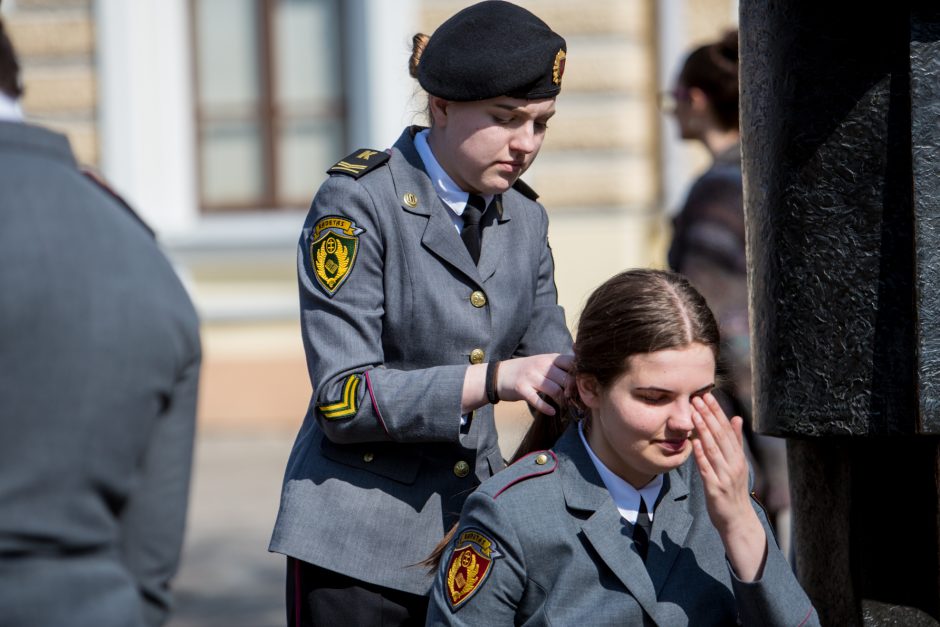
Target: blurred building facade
x=216 y=120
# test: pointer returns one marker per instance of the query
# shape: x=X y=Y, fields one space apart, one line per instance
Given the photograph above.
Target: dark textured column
x=925 y=126
x=820 y=489
x=827 y=153
x=840 y=111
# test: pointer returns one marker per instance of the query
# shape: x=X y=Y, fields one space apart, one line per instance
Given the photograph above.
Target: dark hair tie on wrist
x=491 y=394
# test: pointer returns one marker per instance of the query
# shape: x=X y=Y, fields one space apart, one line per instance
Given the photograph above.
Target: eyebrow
x=701 y=390
x=516 y=109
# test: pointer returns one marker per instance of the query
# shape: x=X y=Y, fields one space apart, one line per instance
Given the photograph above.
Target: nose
x=680 y=419
x=523 y=138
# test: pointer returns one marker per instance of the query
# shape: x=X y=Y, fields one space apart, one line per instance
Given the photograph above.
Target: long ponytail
x=545 y=430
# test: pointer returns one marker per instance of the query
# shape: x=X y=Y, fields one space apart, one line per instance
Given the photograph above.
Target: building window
x=269 y=103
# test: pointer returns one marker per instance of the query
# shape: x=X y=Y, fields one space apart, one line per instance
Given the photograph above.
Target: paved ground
x=227 y=577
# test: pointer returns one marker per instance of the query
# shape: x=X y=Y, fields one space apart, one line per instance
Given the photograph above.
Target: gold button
x=368 y=457
x=410 y=199
x=478 y=299
x=477 y=356
x=541 y=459
x=461 y=469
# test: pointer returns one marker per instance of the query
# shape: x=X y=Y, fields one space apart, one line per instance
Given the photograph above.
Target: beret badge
x=558 y=69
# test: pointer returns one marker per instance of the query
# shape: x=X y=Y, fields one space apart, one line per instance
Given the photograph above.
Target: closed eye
x=654 y=399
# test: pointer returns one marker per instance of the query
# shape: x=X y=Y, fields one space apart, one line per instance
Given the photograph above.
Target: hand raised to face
x=718 y=446
x=719 y=453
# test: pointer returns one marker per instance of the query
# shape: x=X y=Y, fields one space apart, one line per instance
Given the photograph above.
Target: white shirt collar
x=10 y=110
x=446 y=188
x=625 y=496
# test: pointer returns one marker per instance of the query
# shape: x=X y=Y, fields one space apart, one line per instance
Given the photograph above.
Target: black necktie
x=641 y=530
x=471 y=231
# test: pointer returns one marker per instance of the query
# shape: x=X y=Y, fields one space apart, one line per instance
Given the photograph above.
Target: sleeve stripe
x=346 y=407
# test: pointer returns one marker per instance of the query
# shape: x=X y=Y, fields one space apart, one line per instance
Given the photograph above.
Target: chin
x=499 y=186
x=497 y=182
x=674 y=460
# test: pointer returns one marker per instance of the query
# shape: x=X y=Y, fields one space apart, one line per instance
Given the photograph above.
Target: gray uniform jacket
x=393 y=311
x=99 y=365
x=543 y=543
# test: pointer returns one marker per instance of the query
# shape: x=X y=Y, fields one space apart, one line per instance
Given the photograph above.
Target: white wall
x=380 y=91
x=146 y=118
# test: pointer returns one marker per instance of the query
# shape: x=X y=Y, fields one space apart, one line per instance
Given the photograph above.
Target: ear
x=438 y=108
x=697 y=99
x=589 y=390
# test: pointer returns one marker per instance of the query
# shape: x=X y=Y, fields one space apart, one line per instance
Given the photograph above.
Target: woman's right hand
x=524 y=378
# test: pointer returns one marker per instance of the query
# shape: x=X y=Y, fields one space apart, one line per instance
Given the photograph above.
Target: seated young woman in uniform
x=641 y=511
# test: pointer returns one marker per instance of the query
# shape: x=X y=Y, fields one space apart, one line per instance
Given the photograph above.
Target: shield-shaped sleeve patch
x=334 y=244
x=469 y=567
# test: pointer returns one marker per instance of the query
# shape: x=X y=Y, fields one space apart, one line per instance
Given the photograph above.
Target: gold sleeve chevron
x=346 y=407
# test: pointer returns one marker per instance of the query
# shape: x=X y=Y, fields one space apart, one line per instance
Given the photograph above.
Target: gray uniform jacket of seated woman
x=543 y=543
x=393 y=312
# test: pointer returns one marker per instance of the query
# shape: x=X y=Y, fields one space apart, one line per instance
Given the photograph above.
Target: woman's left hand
x=719 y=453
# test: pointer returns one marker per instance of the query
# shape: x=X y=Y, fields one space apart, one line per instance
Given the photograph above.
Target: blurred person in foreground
x=708 y=243
x=99 y=364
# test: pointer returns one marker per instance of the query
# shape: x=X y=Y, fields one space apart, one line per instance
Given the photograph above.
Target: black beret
x=491 y=49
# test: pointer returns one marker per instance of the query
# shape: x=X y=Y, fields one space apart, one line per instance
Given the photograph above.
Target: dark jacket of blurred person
x=708 y=243
x=99 y=364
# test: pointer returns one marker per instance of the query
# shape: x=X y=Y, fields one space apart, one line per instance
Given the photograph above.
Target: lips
x=673 y=446
x=512 y=165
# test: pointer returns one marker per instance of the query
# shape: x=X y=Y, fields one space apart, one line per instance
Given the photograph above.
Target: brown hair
x=635 y=312
x=418 y=44
x=713 y=68
x=632 y=313
x=9 y=67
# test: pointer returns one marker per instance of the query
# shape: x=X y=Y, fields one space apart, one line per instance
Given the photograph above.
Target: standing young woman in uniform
x=616 y=525
x=427 y=295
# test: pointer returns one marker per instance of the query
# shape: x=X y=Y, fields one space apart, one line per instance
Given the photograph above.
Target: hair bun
x=418 y=44
x=728 y=46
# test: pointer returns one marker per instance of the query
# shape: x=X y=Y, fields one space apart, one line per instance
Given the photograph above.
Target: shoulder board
x=360 y=162
x=532 y=465
x=523 y=188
